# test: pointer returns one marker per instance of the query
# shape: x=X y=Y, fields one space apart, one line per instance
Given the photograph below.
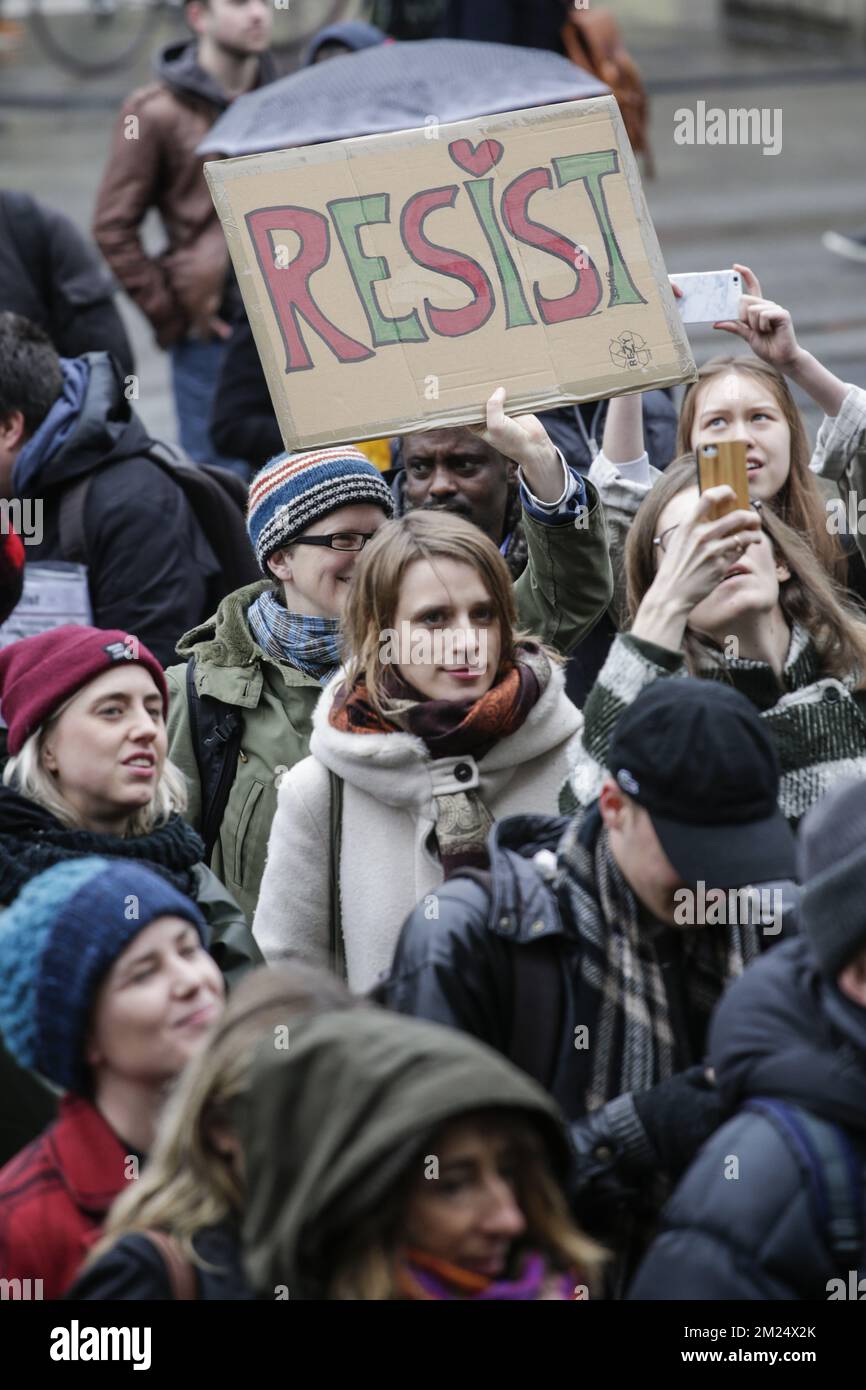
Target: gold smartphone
x=720 y=463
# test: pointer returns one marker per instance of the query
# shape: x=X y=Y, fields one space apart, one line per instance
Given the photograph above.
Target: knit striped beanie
x=58 y=940
x=294 y=490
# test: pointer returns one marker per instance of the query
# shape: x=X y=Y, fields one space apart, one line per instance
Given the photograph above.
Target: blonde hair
x=799 y=501
x=374 y=593
x=27 y=774
x=187 y=1183
x=810 y=597
x=368 y=1267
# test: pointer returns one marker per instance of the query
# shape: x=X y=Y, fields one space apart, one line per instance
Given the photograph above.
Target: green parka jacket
x=277 y=702
x=563 y=591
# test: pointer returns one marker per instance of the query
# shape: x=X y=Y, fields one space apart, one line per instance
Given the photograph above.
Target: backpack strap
x=835 y=1173
x=216 y=729
x=335 y=941
x=73 y=502
x=180 y=1271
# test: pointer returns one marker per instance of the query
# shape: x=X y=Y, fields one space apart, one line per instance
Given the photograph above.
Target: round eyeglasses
x=340 y=540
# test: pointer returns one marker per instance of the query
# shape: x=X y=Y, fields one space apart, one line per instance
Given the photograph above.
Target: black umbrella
x=397 y=86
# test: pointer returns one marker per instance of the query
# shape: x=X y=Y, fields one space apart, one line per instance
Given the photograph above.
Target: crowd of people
x=437 y=881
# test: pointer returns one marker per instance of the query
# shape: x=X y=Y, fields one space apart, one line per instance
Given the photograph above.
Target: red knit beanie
x=39 y=673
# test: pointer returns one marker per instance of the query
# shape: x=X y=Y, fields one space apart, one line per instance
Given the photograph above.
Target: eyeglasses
x=662 y=540
x=340 y=540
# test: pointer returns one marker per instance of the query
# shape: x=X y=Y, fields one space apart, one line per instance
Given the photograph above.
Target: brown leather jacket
x=152 y=164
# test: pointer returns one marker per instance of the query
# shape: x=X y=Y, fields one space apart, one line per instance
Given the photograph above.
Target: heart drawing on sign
x=476 y=159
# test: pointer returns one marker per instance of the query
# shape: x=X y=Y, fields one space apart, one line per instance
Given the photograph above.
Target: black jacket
x=242 y=423
x=579 y=429
x=780 y=1032
x=502 y=961
x=134 y=1269
x=150 y=568
x=530 y=23
x=51 y=274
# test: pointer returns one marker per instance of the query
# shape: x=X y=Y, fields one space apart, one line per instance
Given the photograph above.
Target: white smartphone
x=709 y=296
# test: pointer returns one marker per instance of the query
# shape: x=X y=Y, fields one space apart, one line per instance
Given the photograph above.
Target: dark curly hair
x=31 y=378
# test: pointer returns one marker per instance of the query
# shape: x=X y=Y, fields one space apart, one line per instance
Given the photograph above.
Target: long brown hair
x=810 y=597
x=799 y=502
x=367 y=1267
x=374 y=593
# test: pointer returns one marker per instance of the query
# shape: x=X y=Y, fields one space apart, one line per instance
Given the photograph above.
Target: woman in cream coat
x=444 y=719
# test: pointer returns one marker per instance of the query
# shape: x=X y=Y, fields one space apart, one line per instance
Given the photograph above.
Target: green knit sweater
x=817 y=723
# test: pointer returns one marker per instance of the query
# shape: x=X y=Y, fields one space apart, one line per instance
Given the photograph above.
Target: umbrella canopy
x=397 y=86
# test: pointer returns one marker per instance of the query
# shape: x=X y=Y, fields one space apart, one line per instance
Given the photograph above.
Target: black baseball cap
x=696 y=755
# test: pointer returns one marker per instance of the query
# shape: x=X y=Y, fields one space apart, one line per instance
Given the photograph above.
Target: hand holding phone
x=725 y=463
x=708 y=296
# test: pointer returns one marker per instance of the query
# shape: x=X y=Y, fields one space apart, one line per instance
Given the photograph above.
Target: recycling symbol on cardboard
x=629 y=350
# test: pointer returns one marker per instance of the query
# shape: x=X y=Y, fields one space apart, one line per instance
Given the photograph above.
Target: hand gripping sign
x=392 y=281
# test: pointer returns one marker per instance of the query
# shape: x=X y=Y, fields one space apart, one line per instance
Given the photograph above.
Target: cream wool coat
x=391 y=786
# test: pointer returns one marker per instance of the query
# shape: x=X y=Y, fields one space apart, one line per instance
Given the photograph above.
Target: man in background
x=187 y=292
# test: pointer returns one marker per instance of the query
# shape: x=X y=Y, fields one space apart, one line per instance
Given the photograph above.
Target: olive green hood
x=225 y=639
x=330 y=1124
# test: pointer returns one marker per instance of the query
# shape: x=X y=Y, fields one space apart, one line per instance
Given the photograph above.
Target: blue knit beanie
x=294 y=490
x=59 y=938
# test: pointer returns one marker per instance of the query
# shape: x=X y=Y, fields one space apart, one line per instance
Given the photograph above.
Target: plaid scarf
x=310 y=644
x=621 y=993
x=451 y=729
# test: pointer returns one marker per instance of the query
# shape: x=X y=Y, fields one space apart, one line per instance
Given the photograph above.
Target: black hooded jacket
x=51 y=275
x=754 y=1231
x=150 y=567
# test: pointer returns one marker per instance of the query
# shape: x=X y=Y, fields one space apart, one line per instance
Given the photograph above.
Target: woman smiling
x=89 y=774
x=107 y=990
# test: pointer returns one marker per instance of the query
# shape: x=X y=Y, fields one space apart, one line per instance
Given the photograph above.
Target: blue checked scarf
x=311 y=644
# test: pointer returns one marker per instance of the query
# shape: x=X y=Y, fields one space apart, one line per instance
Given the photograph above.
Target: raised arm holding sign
x=390 y=281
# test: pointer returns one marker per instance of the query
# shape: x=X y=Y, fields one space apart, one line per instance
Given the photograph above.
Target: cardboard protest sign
x=393 y=281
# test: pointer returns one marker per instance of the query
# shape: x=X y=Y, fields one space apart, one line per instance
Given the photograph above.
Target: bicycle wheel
x=90 y=38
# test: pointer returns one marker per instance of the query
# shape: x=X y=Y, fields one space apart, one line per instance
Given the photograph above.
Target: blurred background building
x=710 y=206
